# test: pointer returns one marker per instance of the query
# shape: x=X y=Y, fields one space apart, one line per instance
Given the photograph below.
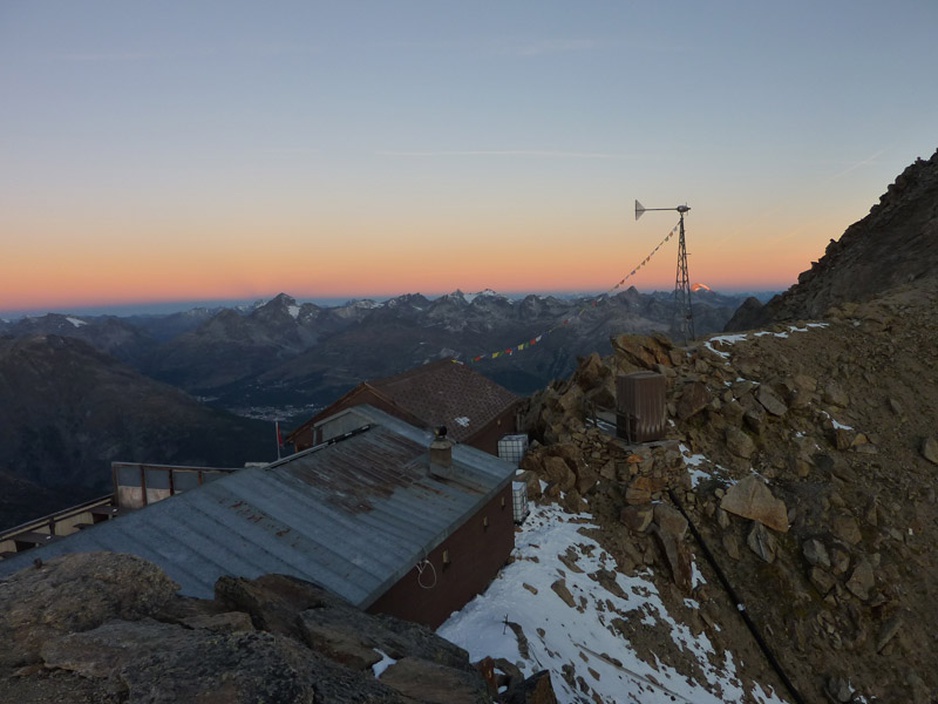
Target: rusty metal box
x=641 y=406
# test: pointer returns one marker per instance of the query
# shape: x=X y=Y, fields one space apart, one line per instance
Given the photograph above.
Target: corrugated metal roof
x=354 y=515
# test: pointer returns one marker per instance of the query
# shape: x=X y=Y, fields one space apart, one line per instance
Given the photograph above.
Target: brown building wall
x=475 y=553
x=487 y=437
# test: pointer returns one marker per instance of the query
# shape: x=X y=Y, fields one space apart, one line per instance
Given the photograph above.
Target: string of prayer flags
x=530 y=343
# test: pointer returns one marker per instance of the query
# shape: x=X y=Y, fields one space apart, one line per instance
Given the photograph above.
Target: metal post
x=685 y=323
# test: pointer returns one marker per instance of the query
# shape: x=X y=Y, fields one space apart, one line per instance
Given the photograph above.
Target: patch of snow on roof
x=463 y=421
x=586 y=638
x=77 y=322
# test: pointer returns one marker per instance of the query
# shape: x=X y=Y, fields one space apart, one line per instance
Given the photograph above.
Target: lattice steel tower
x=684 y=322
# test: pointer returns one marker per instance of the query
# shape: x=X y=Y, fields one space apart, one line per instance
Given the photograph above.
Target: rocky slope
x=22 y=500
x=893 y=245
x=804 y=456
x=110 y=629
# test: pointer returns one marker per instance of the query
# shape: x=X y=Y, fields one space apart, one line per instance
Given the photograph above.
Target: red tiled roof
x=448 y=393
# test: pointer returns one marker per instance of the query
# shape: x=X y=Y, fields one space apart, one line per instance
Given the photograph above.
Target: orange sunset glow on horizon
x=127 y=278
x=174 y=154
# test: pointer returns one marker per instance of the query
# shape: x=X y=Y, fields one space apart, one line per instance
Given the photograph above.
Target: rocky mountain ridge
x=241 y=358
x=893 y=245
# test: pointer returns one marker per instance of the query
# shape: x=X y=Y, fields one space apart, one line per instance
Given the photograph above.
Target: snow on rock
x=383 y=664
x=294 y=311
x=486 y=293
x=77 y=322
x=562 y=606
x=721 y=340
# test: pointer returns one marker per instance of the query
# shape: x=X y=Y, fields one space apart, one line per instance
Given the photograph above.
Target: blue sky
x=169 y=151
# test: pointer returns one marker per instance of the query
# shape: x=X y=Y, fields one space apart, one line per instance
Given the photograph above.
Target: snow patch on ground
x=701 y=469
x=77 y=322
x=294 y=311
x=837 y=424
x=383 y=664
x=586 y=646
x=739 y=337
x=722 y=340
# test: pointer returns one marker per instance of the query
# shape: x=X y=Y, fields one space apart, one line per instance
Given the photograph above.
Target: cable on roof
x=316 y=448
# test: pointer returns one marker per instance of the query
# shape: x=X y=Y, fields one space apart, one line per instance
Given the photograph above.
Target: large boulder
x=637 y=352
x=75 y=593
x=751 y=498
x=157 y=662
x=110 y=629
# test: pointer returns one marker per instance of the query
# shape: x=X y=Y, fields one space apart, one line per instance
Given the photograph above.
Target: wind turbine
x=682 y=279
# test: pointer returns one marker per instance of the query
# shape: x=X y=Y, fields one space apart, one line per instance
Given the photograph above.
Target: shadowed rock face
x=102 y=627
x=68 y=410
x=897 y=243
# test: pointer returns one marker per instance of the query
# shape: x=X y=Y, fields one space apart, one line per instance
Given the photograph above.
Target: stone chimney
x=441 y=454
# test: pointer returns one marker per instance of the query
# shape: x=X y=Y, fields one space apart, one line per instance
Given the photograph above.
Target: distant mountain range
x=281 y=358
x=203 y=387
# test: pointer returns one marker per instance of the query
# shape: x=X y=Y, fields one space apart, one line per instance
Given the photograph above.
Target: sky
x=220 y=150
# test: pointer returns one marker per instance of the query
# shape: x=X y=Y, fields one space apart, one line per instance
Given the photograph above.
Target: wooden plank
x=33 y=538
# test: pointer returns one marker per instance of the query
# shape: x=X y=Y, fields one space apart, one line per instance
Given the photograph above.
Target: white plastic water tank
x=511 y=448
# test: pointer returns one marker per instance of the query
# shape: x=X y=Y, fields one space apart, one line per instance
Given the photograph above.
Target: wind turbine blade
x=639 y=209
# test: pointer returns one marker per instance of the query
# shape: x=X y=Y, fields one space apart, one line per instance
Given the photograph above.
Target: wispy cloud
x=859 y=164
x=260 y=49
x=127 y=56
x=538 y=47
x=530 y=153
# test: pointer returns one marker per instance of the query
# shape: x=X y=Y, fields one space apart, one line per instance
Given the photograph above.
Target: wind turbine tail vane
x=639 y=209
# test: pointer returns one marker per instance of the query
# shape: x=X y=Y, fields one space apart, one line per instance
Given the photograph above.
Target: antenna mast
x=685 y=322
